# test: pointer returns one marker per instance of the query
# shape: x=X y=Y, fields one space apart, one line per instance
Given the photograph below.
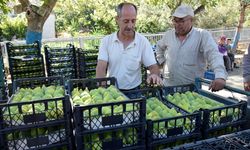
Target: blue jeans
x=132 y=93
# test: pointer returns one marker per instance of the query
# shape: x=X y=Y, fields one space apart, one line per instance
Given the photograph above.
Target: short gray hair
x=120 y=6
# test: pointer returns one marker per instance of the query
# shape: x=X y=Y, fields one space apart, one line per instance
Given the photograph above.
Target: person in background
x=122 y=53
x=185 y=51
x=231 y=53
x=223 y=50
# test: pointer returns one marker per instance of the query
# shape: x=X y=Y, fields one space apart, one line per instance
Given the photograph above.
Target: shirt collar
x=115 y=38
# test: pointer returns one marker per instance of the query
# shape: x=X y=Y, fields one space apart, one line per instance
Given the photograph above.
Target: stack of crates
x=236 y=141
x=118 y=124
x=144 y=76
x=25 y=61
x=61 y=61
x=37 y=117
x=229 y=118
x=86 y=63
x=167 y=130
x=3 y=82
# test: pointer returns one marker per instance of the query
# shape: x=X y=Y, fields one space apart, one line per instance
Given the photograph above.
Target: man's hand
x=154 y=79
x=217 y=84
x=247 y=86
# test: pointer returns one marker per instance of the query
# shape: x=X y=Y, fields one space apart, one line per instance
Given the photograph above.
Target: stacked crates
x=25 y=61
x=230 y=117
x=102 y=125
x=36 y=117
x=86 y=63
x=61 y=61
x=144 y=76
x=168 y=129
x=3 y=82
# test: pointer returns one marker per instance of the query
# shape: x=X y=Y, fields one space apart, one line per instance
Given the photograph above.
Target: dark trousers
x=227 y=63
x=132 y=93
x=231 y=56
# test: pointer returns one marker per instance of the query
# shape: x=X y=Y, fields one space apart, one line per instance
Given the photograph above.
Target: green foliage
x=98 y=17
x=84 y=17
x=3 y=6
x=13 y=27
x=227 y=15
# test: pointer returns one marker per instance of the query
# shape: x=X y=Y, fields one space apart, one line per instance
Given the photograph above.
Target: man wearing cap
x=185 y=51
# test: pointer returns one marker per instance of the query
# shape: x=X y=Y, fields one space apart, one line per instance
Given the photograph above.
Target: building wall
x=49 y=30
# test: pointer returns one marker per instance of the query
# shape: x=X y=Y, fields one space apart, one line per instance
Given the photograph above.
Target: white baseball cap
x=182 y=11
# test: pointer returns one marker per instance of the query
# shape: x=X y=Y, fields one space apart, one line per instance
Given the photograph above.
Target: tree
x=244 y=4
x=36 y=17
x=198 y=6
x=3 y=6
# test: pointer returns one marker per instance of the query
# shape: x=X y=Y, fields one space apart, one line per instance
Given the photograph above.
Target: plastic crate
x=199 y=145
x=224 y=144
x=158 y=131
x=86 y=63
x=144 y=76
x=85 y=121
x=236 y=112
x=51 y=136
x=43 y=111
x=131 y=137
x=241 y=138
x=23 y=50
x=26 y=67
x=3 y=94
x=224 y=122
x=61 y=61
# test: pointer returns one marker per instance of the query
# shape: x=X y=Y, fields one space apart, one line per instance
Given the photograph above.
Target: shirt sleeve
x=160 y=50
x=213 y=56
x=103 y=50
x=148 y=57
x=246 y=65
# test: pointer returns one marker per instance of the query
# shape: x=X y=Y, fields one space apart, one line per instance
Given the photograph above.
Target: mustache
x=129 y=29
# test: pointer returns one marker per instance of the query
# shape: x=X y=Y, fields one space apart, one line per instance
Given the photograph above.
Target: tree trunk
x=240 y=25
x=36 y=17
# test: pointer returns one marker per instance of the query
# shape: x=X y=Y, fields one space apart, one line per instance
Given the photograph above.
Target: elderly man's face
x=182 y=25
x=127 y=20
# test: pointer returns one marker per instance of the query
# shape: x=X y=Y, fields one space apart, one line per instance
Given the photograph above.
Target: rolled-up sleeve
x=246 y=65
x=214 y=58
x=160 y=49
x=103 y=51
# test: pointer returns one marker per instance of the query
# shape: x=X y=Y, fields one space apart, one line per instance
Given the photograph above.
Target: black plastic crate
x=26 y=67
x=144 y=76
x=105 y=116
x=242 y=138
x=224 y=144
x=86 y=63
x=2 y=72
x=3 y=94
x=91 y=83
x=61 y=61
x=199 y=145
x=217 y=121
x=130 y=137
x=23 y=50
x=34 y=82
x=30 y=113
x=159 y=132
x=50 y=136
x=238 y=140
